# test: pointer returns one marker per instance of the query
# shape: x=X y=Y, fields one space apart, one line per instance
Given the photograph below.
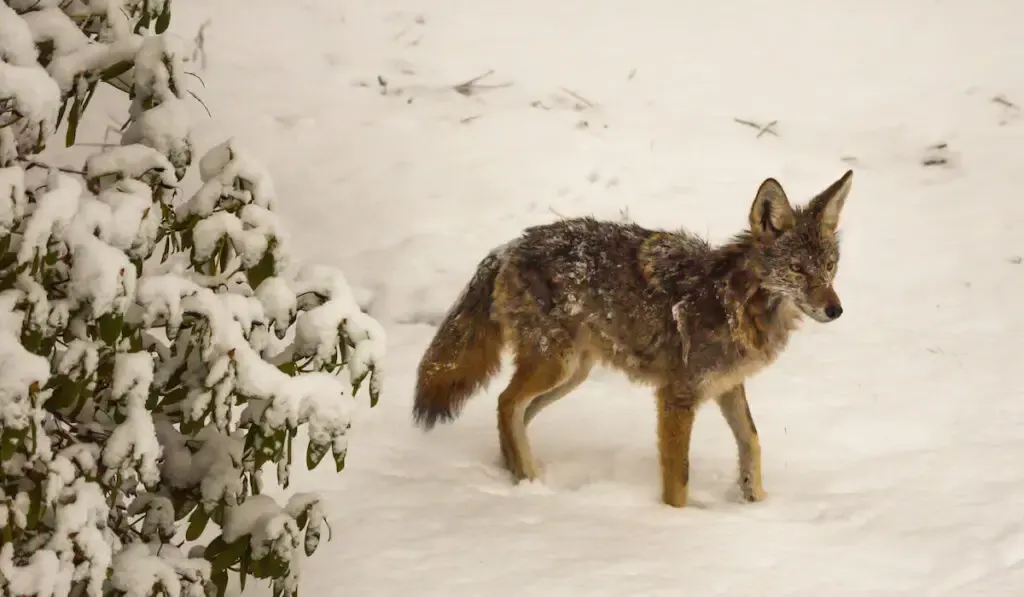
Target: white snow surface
x=892 y=438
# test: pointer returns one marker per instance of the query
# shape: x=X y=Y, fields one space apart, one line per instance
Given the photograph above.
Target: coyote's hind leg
x=534 y=376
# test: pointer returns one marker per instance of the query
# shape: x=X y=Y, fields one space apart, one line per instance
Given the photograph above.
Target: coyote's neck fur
x=719 y=298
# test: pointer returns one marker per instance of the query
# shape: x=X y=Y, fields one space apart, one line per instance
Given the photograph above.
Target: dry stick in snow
x=1005 y=102
x=467 y=88
x=587 y=103
x=761 y=130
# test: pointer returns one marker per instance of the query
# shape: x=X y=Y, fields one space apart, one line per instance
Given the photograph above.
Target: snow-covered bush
x=156 y=350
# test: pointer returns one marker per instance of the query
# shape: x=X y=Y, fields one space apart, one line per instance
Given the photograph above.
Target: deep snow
x=892 y=437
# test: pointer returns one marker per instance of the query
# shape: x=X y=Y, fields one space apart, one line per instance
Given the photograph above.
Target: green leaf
x=32 y=339
x=218 y=515
x=36 y=506
x=144 y=20
x=116 y=70
x=271 y=448
x=289 y=368
x=197 y=523
x=314 y=454
x=243 y=569
x=223 y=255
x=339 y=460
x=219 y=578
x=60 y=114
x=65 y=392
x=8 y=446
x=222 y=555
x=374 y=387
x=215 y=548
x=89 y=94
x=264 y=269
x=358 y=382
x=164 y=20
x=110 y=328
x=192 y=427
x=312 y=539
x=73 y=118
x=167 y=248
x=174 y=396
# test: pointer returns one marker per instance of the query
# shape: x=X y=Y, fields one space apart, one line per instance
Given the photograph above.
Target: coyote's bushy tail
x=464 y=354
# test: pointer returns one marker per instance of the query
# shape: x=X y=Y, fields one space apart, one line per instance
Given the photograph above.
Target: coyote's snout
x=671 y=311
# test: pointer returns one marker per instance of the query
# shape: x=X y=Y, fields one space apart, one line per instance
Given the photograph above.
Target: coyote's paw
x=751 y=492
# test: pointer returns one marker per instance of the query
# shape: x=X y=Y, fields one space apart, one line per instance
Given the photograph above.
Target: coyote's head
x=799 y=246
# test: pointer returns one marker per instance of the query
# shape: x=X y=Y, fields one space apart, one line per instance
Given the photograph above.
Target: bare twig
x=201 y=81
x=402 y=32
x=103 y=145
x=467 y=88
x=761 y=130
x=1001 y=100
x=201 y=102
x=936 y=156
x=768 y=128
x=35 y=164
x=587 y=103
x=467 y=84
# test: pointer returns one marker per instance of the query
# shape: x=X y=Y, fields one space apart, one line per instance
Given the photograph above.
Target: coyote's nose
x=833 y=311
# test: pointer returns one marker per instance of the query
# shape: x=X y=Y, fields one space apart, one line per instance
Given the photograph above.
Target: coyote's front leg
x=736 y=411
x=676 y=410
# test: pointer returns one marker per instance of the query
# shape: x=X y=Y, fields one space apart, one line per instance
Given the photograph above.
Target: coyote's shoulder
x=665 y=307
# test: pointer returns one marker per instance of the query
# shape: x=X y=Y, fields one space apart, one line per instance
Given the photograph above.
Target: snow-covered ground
x=892 y=438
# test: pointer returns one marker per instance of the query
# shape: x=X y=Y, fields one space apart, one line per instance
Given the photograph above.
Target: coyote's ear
x=771 y=214
x=825 y=208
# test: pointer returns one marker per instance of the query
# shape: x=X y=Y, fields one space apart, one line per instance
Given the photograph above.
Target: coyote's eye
x=831 y=265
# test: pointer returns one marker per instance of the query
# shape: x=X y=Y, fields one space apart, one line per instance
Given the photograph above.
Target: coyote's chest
x=716 y=382
x=756 y=345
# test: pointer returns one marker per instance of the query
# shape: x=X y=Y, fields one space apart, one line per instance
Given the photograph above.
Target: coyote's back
x=666 y=308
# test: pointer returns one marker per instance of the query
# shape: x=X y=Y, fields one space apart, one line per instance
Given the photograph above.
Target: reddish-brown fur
x=666 y=308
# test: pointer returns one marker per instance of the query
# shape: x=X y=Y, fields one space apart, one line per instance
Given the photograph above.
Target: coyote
x=666 y=308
